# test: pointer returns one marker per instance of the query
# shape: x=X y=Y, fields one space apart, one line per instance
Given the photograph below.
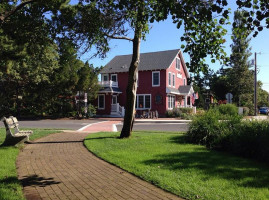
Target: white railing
x=121 y=111
x=108 y=83
x=117 y=108
x=184 y=106
x=188 y=106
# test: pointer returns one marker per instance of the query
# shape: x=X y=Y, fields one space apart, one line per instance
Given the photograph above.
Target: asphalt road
x=77 y=124
x=175 y=127
x=65 y=124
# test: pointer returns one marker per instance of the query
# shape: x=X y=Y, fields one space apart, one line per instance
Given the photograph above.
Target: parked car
x=264 y=110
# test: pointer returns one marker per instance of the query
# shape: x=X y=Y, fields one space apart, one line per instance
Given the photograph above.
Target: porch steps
x=115 y=114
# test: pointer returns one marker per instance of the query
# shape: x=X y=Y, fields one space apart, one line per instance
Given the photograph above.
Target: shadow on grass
x=35 y=180
x=9 y=180
x=243 y=172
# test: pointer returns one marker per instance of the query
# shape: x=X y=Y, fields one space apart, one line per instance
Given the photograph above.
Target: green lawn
x=190 y=171
x=10 y=187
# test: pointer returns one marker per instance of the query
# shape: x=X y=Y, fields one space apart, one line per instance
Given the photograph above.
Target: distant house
x=162 y=83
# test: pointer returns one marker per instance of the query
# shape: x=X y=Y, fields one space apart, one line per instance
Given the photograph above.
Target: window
x=171 y=102
x=173 y=80
x=101 y=101
x=105 y=77
x=114 y=77
x=169 y=78
x=178 y=63
x=143 y=101
x=155 y=78
x=184 y=81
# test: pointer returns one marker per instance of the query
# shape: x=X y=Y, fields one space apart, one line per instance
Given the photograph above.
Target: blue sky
x=165 y=36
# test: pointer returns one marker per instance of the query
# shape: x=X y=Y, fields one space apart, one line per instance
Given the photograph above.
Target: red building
x=162 y=83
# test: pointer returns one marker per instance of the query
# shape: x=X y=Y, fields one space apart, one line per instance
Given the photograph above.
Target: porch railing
x=108 y=84
x=117 y=108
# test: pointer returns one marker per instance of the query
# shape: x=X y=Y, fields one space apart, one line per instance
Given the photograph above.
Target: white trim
x=156 y=72
x=103 y=75
x=169 y=79
x=104 y=102
x=171 y=97
x=184 y=81
x=173 y=80
x=178 y=60
x=114 y=75
x=137 y=101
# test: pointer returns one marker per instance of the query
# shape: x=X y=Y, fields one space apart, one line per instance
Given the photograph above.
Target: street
x=66 y=124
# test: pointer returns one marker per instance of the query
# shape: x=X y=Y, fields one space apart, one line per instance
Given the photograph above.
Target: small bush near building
x=183 y=113
x=244 y=138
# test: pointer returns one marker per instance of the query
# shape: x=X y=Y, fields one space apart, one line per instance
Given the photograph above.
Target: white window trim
x=184 y=81
x=169 y=78
x=114 y=75
x=103 y=75
x=173 y=80
x=137 y=101
x=155 y=72
x=179 y=63
x=104 y=102
x=170 y=97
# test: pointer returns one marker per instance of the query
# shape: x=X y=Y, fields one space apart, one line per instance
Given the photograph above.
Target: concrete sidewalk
x=60 y=167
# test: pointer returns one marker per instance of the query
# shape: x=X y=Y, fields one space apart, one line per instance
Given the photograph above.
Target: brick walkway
x=60 y=167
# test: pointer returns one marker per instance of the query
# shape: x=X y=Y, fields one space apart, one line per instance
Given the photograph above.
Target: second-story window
x=178 y=63
x=114 y=77
x=169 y=78
x=173 y=80
x=155 y=79
x=184 y=81
x=105 y=77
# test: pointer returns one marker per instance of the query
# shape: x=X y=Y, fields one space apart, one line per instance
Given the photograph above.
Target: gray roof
x=182 y=90
x=148 y=61
x=110 y=90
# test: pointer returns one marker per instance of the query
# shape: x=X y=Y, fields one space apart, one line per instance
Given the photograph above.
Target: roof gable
x=148 y=61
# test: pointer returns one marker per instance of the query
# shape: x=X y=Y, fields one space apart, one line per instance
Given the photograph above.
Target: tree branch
x=5 y=15
x=118 y=37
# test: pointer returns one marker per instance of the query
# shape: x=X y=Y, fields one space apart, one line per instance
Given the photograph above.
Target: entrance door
x=114 y=103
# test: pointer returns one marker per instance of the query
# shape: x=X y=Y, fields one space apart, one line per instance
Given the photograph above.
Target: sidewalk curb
x=161 y=121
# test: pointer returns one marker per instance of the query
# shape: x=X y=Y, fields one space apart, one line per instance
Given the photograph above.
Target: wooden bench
x=13 y=133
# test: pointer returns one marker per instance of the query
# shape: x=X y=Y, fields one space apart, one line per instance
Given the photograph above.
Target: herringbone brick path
x=60 y=167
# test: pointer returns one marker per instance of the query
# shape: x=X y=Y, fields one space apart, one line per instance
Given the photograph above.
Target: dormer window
x=178 y=63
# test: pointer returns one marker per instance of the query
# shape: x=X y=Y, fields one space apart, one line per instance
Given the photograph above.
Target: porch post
x=185 y=101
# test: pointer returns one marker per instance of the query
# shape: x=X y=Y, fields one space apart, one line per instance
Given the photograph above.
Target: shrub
x=244 y=138
x=228 y=109
x=184 y=113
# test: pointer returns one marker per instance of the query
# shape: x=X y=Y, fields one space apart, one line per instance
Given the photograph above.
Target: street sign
x=229 y=97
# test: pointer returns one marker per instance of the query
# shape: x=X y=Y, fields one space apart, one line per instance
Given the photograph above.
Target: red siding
x=178 y=81
x=145 y=87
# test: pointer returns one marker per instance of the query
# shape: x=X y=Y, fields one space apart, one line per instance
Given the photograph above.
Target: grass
x=190 y=171
x=10 y=187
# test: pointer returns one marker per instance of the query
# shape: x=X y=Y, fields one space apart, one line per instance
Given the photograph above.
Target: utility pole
x=255 y=86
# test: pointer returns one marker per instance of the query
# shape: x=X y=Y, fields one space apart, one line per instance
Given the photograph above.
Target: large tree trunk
x=132 y=87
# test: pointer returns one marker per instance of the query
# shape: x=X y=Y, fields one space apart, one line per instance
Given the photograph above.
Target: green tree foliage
x=39 y=68
x=240 y=76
